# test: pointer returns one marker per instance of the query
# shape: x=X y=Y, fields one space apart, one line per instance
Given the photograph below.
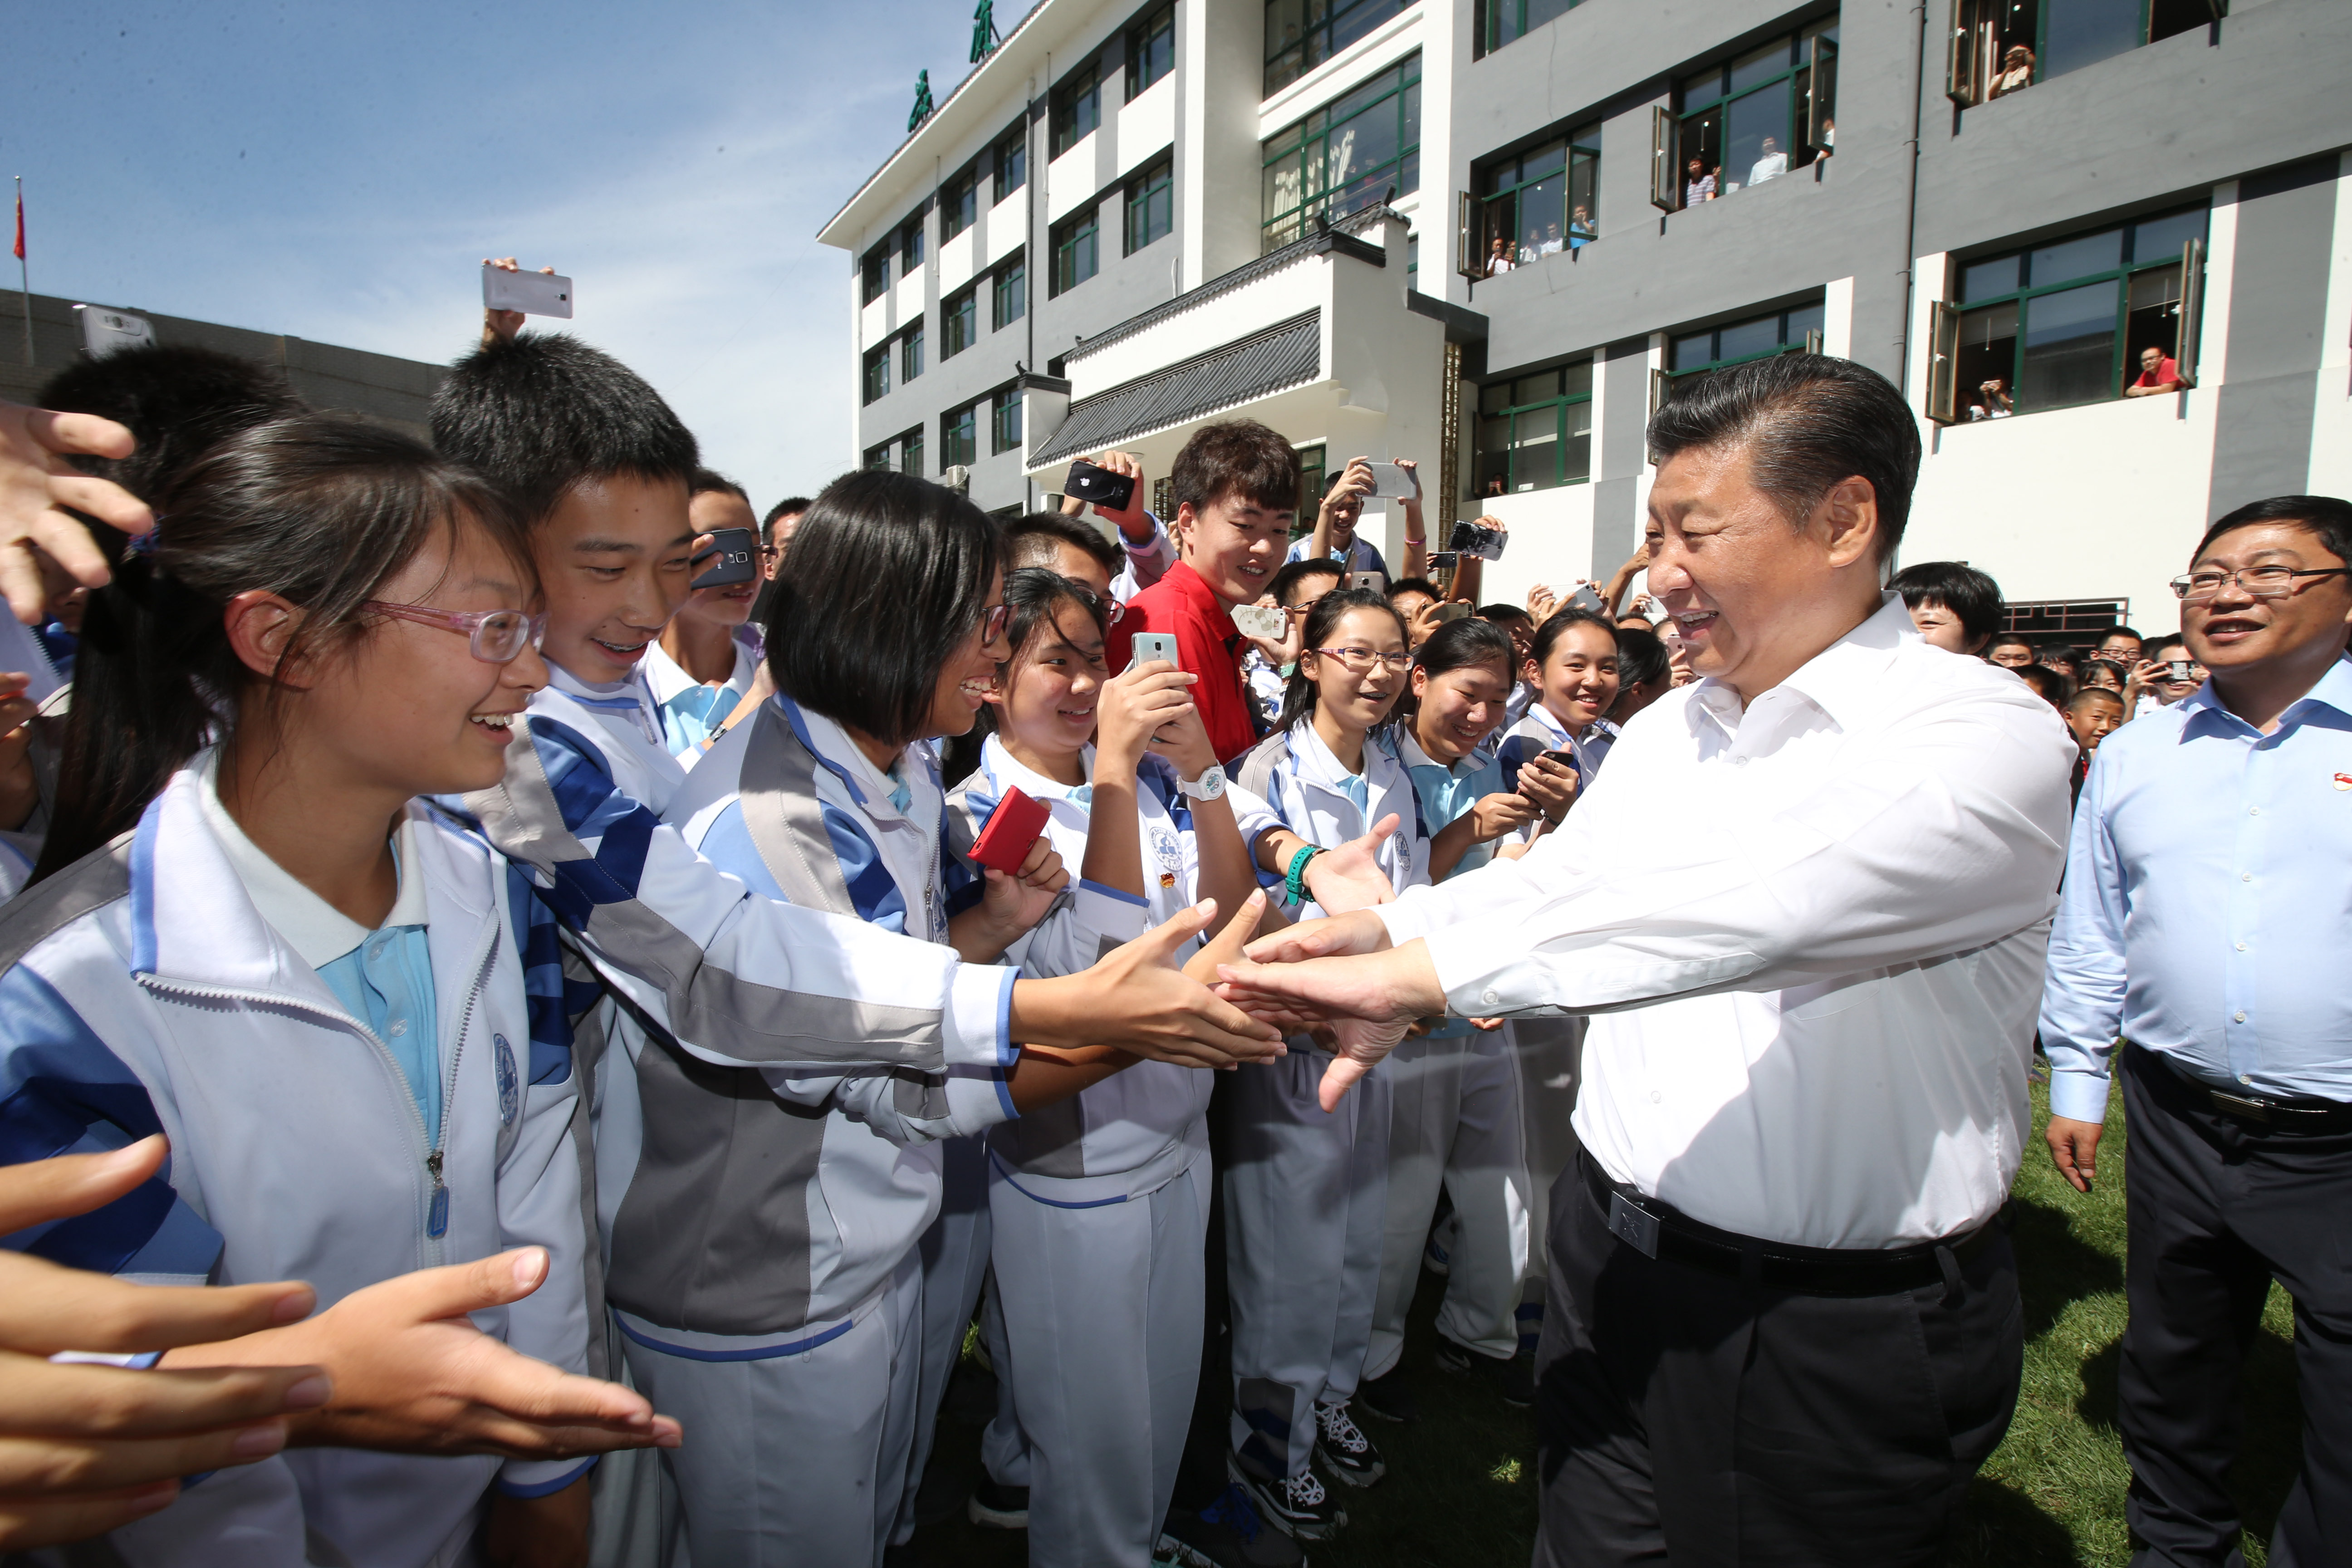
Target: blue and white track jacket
x=1292 y=780
x=1139 y=1129
x=141 y=990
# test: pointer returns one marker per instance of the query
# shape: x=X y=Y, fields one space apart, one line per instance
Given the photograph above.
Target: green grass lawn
x=1461 y=1489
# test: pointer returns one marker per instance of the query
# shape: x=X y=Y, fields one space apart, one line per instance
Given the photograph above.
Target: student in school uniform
x=1453 y=1121
x=708 y=656
x=1305 y=1191
x=1100 y=1204
x=1573 y=665
x=305 y=977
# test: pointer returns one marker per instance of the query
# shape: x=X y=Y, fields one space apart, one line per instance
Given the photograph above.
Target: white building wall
x=2331 y=415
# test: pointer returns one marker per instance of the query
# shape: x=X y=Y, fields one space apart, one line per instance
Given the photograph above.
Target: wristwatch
x=1208 y=786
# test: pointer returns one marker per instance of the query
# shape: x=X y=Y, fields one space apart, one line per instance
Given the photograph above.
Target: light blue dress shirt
x=2207 y=911
x=386 y=982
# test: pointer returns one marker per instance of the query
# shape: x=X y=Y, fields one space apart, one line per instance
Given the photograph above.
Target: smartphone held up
x=531 y=293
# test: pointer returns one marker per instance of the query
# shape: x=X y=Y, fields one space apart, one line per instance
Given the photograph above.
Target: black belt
x=2294 y=1115
x=1656 y=1230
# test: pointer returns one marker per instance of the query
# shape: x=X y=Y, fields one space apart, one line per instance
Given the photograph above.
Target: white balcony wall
x=1147 y=125
x=956 y=263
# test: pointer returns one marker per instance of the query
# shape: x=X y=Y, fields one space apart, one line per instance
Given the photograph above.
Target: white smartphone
x=1584 y=598
x=1260 y=621
x=1149 y=645
x=533 y=293
x=1392 y=483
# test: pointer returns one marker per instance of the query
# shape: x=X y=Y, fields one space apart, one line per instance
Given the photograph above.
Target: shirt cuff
x=1149 y=547
x=538 y=1477
x=979 y=1023
x=2079 y=1095
x=1404 y=920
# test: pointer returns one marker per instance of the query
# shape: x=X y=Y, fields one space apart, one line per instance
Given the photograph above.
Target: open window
x=2000 y=46
x=1541 y=202
x=1756 y=117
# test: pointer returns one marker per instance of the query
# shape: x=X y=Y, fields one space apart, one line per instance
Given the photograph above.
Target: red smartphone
x=1011 y=827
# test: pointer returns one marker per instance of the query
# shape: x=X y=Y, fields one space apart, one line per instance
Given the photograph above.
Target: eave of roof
x=1275 y=359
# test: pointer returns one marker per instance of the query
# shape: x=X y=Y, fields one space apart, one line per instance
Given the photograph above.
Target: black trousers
x=2218 y=1209
x=1685 y=1417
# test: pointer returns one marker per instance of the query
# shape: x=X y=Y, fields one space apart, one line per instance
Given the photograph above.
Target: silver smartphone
x=1584 y=598
x=1149 y=645
x=1392 y=483
x=1372 y=580
x=533 y=293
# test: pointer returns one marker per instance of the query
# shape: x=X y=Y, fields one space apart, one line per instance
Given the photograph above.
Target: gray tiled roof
x=1288 y=354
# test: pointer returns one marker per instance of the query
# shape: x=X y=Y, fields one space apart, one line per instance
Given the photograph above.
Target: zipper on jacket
x=437 y=1217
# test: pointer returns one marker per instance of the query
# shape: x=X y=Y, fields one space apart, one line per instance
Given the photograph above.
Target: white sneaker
x=1344 y=1450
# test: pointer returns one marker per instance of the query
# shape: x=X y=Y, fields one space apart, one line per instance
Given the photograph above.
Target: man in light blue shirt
x=2204 y=927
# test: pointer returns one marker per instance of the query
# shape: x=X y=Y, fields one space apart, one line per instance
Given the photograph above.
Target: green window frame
x=1726 y=114
x=2062 y=323
x=1534 y=431
x=959 y=321
x=959 y=203
x=910 y=353
x=1508 y=21
x=1302 y=34
x=1543 y=201
x=1313 y=477
x=1797 y=329
x=877 y=383
x=1077 y=250
x=1150 y=49
x=2065 y=36
x=959 y=437
x=878 y=458
x=910 y=452
x=874 y=274
x=1345 y=156
x=1008 y=293
x=1005 y=420
x=1009 y=160
x=1150 y=205
x=910 y=245
x=1076 y=112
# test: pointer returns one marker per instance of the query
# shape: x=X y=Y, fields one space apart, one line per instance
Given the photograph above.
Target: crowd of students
x=586 y=985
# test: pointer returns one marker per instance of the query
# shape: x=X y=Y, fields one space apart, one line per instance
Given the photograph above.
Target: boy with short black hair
x=1236 y=488
x=1069 y=546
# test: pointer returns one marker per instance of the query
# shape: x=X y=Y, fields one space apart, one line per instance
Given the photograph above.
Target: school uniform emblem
x=509 y=1081
x=1170 y=853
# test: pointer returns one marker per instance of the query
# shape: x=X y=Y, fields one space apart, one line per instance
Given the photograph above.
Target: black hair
x=1236 y=457
x=178 y=402
x=2151 y=650
x=887 y=577
x=2083 y=670
x=320 y=508
x=790 y=506
x=2004 y=639
x=1055 y=528
x=1505 y=614
x=2109 y=692
x=1032 y=596
x=1298 y=696
x=1460 y=644
x=1807 y=422
x=1548 y=635
x=2324 y=518
x=1640 y=656
x=2053 y=687
x=1414 y=585
x=1972 y=596
x=711 y=481
x=1296 y=571
x=2120 y=630
x=544 y=411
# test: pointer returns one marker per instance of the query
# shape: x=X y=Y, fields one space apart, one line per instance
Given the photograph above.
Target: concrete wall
x=379 y=387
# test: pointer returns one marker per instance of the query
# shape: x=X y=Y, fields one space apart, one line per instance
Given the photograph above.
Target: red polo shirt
x=1207 y=643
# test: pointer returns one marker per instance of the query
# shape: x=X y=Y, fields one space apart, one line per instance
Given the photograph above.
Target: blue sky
x=338 y=172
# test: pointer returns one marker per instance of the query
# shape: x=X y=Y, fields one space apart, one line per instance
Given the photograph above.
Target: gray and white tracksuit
x=1306 y=1190
x=763 y=1244
x=1100 y=1206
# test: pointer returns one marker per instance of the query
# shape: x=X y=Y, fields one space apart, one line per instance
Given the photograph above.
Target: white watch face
x=1208 y=786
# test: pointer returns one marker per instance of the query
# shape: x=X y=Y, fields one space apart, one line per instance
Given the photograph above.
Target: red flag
x=20 y=225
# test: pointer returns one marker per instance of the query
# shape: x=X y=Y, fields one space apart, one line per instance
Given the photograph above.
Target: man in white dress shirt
x=1806 y=903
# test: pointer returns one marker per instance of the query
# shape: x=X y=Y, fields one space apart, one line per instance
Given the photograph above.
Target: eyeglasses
x=992 y=623
x=2261 y=582
x=1358 y=660
x=496 y=637
x=1110 y=609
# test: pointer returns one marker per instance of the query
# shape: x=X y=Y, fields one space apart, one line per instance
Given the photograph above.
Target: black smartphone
x=1098 y=486
x=1470 y=539
x=734 y=557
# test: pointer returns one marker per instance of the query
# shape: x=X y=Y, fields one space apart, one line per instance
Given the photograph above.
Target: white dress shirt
x=1813 y=933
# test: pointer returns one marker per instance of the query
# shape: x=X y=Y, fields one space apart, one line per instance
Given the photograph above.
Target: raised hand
x=1010 y=905
x=1134 y=705
x=1137 y=999
x=1349 y=878
x=36 y=484
x=501 y=326
x=1369 y=999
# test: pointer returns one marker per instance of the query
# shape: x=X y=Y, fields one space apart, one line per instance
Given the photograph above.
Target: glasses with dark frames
x=2259 y=581
x=496 y=637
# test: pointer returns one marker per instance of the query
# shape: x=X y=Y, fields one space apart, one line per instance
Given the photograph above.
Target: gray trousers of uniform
x=1101 y=1310
x=1547 y=1054
x=954 y=1253
x=801 y=1459
x=1306 y=1199
x=1454 y=1122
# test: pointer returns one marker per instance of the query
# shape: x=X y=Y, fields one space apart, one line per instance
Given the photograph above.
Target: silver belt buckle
x=2252 y=1109
x=1635 y=1226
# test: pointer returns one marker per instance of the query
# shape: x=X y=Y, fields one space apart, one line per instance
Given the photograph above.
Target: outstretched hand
x=1349 y=877
x=1370 y=999
x=1139 y=999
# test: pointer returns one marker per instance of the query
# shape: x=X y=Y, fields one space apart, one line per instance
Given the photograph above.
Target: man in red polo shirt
x=1236 y=487
x=2157 y=373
